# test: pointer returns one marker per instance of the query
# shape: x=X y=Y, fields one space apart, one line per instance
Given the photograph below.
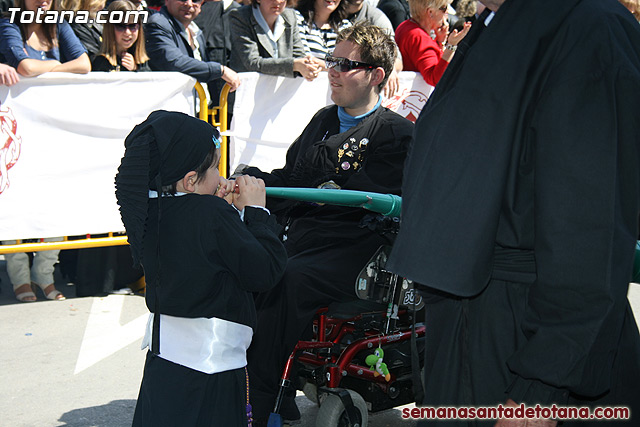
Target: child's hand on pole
x=249 y=191
x=225 y=189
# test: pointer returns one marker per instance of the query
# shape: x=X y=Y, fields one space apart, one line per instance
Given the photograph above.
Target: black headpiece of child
x=158 y=152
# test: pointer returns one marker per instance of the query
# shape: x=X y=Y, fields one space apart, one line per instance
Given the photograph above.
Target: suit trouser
x=468 y=343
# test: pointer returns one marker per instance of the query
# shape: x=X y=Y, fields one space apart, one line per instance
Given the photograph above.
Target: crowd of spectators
x=213 y=40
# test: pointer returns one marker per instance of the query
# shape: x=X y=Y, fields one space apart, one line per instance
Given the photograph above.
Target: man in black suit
x=213 y=20
x=522 y=224
x=175 y=43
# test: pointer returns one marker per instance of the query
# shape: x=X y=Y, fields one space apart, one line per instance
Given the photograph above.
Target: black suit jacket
x=169 y=50
x=213 y=20
x=396 y=10
x=545 y=160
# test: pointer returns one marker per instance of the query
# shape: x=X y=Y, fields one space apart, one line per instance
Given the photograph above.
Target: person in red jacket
x=424 y=40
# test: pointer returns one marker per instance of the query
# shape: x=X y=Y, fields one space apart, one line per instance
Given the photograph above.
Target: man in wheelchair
x=355 y=144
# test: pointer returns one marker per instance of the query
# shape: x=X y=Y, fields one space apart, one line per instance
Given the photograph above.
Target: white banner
x=270 y=112
x=61 y=141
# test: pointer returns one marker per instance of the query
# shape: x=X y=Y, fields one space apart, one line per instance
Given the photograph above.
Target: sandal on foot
x=24 y=293
x=53 y=293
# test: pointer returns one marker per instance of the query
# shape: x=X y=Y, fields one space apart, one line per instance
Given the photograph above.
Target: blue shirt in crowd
x=13 y=49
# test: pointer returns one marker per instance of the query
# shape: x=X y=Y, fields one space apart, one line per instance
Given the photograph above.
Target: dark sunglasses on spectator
x=123 y=27
x=192 y=1
x=342 y=65
x=444 y=8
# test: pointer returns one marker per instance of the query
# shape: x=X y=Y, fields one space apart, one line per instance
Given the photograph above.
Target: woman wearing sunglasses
x=424 y=40
x=37 y=48
x=122 y=44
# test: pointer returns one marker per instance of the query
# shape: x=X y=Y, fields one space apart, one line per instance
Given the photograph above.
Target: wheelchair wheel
x=333 y=414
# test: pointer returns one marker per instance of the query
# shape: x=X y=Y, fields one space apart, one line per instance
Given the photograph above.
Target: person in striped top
x=319 y=22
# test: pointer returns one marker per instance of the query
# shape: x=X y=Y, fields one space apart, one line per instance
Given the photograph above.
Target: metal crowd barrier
x=217 y=116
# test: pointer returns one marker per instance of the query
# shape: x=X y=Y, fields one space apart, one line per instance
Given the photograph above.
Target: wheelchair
x=363 y=354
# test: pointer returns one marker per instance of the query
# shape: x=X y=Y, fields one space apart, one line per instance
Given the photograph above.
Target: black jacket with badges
x=368 y=157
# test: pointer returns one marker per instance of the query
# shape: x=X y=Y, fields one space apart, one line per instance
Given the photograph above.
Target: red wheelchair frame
x=333 y=364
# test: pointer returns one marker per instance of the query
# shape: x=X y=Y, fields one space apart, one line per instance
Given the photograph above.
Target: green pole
x=386 y=204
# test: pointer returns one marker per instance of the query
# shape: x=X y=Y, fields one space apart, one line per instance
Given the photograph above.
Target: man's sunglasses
x=192 y=1
x=342 y=65
x=123 y=27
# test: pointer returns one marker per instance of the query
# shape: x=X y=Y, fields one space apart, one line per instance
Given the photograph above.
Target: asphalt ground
x=78 y=362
